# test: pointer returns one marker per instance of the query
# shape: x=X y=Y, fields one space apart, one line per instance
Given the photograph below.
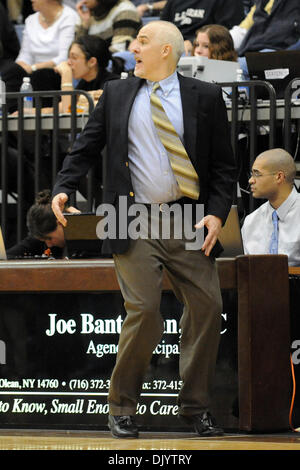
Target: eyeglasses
x=257 y=174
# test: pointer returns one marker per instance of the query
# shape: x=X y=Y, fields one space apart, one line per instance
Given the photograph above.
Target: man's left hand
x=213 y=225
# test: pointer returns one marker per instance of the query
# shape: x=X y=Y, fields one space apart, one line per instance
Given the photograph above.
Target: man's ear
x=280 y=176
x=92 y=62
x=167 y=50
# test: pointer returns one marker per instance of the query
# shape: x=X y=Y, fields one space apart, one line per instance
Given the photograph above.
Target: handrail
x=288 y=103
x=238 y=105
x=251 y=104
x=38 y=97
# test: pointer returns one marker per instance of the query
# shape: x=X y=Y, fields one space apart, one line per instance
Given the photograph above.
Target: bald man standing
x=274 y=227
x=167 y=141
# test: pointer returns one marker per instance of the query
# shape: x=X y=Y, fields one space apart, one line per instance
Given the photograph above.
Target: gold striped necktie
x=181 y=165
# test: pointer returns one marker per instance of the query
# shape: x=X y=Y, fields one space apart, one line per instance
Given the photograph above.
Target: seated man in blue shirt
x=274 y=227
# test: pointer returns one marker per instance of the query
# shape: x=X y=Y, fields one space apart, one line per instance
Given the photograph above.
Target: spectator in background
x=238 y=32
x=87 y=64
x=47 y=36
x=270 y=24
x=9 y=42
x=45 y=235
x=115 y=21
x=190 y=15
x=150 y=8
x=215 y=42
x=274 y=227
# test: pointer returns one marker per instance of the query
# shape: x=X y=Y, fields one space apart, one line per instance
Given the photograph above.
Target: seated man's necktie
x=181 y=165
x=274 y=238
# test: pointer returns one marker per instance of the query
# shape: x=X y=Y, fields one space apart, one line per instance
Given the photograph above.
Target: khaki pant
x=195 y=282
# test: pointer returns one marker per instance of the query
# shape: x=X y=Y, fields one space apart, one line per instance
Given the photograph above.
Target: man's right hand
x=58 y=204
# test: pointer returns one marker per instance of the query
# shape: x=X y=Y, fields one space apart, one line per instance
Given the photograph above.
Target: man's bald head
x=279 y=160
x=157 y=49
x=167 y=33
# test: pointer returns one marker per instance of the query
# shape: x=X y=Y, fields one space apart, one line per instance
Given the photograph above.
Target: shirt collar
x=166 y=85
x=286 y=205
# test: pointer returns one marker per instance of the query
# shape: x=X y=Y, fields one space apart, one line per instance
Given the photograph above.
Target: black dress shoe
x=204 y=424
x=122 y=426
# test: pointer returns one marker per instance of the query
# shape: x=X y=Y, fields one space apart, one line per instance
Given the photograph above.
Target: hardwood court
x=101 y=440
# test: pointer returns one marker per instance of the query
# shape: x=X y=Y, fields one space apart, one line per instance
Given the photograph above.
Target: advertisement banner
x=57 y=352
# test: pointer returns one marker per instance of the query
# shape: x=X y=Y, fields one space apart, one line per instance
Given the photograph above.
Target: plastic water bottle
x=27 y=88
x=242 y=91
x=239 y=75
x=2 y=94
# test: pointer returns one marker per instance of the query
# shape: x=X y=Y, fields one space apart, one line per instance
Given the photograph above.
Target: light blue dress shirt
x=258 y=227
x=152 y=177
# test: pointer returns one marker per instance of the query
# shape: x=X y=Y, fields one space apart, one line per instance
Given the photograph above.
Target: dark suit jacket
x=206 y=137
